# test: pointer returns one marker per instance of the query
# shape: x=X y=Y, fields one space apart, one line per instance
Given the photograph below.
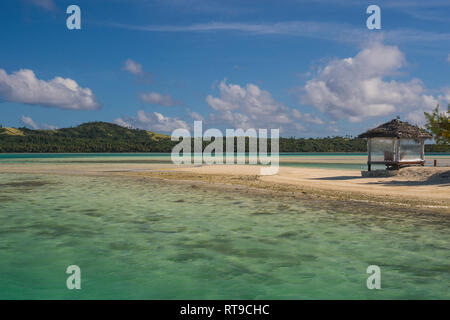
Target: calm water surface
x=137 y=239
x=314 y=159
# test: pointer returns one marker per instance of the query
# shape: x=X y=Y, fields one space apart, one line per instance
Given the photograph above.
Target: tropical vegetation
x=108 y=137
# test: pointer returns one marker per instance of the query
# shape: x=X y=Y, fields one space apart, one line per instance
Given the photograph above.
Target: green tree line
x=107 y=137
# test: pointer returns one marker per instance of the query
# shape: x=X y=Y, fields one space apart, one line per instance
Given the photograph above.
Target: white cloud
x=354 y=88
x=136 y=70
x=23 y=87
x=321 y=30
x=155 y=121
x=123 y=123
x=447 y=94
x=445 y=97
x=236 y=107
x=27 y=121
x=340 y=32
x=196 y=116
x=251 y=107
x=159 y=99
x=333 y=129
x=307 y=117
x=133 y=67
x=49 y=126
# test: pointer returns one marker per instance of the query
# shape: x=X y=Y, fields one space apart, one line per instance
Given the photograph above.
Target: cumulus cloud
x=307 y=117
x=250 y=107
x=152 y=121
x=446 y=92
x=235 y=107
x=355 y=88
x=137 y=71
x=124 y=123
x=196 y=116
x=27 y=121
x=133 y=67
x=444 y=98
x=159 y=99
x=23 y=87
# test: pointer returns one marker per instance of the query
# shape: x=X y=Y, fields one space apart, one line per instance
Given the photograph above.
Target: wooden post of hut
x=395 y=144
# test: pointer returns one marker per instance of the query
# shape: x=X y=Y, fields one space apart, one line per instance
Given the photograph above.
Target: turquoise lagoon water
x=140 y=239
x=333 y=160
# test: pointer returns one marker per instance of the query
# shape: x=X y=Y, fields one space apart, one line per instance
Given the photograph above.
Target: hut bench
x=395 y=144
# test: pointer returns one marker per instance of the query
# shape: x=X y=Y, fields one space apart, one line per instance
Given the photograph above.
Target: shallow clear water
x=316 y=159
x=142 y=239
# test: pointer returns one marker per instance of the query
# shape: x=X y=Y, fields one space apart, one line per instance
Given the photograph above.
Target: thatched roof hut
x=396 y=129
x=395 y=143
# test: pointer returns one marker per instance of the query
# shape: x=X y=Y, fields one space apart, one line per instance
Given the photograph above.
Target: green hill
x=87 y=137
x=108 y=137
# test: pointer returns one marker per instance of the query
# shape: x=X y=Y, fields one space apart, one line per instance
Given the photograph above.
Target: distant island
x=108 y=137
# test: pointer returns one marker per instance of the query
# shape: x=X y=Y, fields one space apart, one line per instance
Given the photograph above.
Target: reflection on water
x=143 y=239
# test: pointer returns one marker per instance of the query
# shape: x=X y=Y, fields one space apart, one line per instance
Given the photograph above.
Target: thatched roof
x=396 y=129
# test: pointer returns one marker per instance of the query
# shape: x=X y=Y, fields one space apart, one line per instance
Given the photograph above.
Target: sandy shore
x=443 y=160
x=415 y=187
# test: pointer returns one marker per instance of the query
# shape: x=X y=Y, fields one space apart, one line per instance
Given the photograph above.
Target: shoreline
x=303 y=190
x=414 y=188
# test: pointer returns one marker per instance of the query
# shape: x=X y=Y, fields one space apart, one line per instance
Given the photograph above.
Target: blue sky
x=310 y=68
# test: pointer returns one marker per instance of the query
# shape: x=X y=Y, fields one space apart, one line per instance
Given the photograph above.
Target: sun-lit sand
x=427 y=186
